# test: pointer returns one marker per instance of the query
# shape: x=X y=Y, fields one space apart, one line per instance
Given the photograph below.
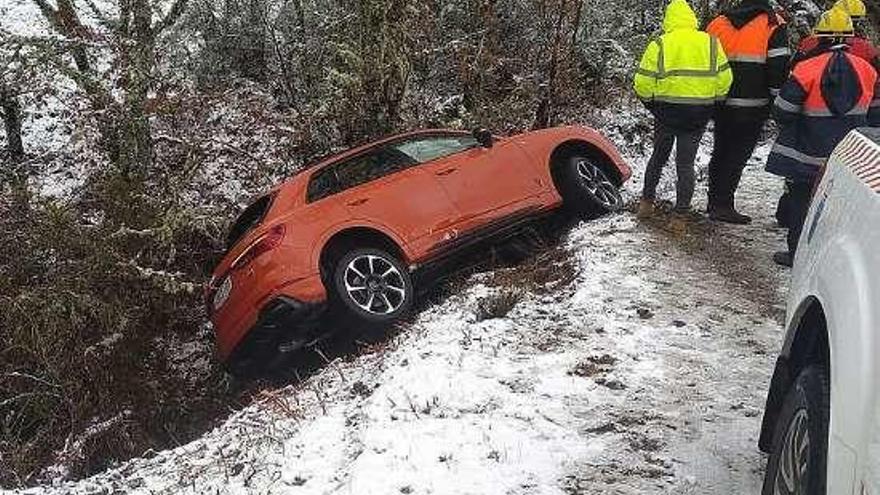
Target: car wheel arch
x=361 y=236
x=574 y=147
x=808 y=344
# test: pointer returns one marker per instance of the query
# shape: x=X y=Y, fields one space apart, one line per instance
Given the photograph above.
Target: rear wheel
x=586 y=188
x=373 y=286
x=797 y=464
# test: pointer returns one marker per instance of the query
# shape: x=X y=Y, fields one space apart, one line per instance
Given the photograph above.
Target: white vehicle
x=822 y=419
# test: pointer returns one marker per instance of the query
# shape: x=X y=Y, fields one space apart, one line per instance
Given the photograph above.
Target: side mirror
x=484 y=137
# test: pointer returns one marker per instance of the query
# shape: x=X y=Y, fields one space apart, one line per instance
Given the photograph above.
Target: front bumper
x=284 y=325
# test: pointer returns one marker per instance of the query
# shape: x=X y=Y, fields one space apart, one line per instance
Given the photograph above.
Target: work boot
x=688 y=213
x=646 y=209
x=729 y=215
x=678 y=222
x=783 y=258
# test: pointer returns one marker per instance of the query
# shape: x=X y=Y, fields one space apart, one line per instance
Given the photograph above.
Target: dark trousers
x=797 y=205
x=783 y=206
x=686 y=145
x=735 y=141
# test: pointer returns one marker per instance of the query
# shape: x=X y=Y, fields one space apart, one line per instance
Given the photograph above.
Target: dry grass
x=498 y=305
x=91 y=319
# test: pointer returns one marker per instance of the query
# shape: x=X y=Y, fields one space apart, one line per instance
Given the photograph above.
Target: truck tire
x=798 y=461
x=586 y=188
x=373 y=286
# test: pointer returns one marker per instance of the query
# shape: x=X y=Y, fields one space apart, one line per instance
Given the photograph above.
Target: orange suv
x=353 y=229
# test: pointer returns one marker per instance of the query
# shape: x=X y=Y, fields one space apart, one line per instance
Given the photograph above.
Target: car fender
x=840 y=287
x=853 y=349
x=355 y=223
x=542 y=144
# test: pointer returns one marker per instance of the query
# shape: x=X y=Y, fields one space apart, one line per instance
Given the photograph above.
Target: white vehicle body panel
x=838 y=266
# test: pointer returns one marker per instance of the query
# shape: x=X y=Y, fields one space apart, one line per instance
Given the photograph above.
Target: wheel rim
x=791 y=474
x=598 y=185
x=374 y=284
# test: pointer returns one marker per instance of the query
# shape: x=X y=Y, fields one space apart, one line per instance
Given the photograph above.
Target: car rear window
x=249 y=218
x=356 y=171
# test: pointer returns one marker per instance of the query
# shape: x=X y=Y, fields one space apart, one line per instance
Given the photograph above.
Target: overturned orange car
x=351 y=232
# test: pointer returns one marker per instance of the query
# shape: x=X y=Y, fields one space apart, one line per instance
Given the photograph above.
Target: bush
x=92 y=316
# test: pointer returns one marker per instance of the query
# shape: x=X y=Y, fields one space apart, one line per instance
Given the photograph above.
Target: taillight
x=263 y=244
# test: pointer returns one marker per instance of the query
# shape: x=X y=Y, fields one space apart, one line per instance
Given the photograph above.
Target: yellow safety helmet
x=855 y=8
x=835 y=23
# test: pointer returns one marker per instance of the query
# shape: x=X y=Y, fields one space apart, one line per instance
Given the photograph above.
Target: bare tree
x=10 y=111
x=119 y=104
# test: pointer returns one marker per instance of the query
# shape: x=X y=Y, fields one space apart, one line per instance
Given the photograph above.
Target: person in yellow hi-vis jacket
x=682 y=76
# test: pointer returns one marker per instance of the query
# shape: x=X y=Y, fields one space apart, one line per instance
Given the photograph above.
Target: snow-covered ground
x=645 y=373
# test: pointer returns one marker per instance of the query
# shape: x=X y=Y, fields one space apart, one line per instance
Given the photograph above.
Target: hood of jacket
x=841 y=88
x=679 y=15
x=747 y=10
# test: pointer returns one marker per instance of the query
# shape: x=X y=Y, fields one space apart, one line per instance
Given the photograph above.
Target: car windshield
x=249 y=218
x=425 y=150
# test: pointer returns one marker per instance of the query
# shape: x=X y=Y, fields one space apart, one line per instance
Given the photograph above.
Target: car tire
x=798 y=461
x=373 y=286
x=586 y=188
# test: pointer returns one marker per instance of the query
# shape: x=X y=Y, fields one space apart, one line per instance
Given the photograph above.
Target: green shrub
x=89 y=316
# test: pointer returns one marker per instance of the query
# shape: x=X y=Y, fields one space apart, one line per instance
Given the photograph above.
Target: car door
x=488 y=185
x=385 y=188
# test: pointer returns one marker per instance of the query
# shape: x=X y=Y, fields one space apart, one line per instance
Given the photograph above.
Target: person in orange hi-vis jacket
x=755 y=40
x=826 y=96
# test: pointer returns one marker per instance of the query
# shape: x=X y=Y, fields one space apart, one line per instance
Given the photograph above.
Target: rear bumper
x=284 y=323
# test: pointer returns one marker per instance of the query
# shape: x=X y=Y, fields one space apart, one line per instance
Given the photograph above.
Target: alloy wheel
x=791 y=474
x=374 y=284
x=598 y=185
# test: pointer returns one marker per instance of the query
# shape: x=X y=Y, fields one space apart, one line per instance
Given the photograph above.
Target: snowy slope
x=646 y=374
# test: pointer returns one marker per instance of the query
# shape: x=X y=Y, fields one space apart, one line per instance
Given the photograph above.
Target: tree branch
x=102 y=17
x=47 y=10
x=177 y=9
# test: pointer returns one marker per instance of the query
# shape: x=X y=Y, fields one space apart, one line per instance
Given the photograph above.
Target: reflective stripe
x=774 y=91
x=724 y=68
x=676 y=73
x=713 y=55
x=748 y=102
x=797 y=155
x=818 y=113
x=786 y=105
x=827 y=113
x=661 y=59
x=760 y=59
x=778 y=52
x=687 y=100
x=875 y=103
x=662 y=73
x=690 y=73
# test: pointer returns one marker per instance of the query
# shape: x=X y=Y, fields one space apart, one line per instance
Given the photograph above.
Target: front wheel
x=586 y=187
x=373 y=286
x=797 y=463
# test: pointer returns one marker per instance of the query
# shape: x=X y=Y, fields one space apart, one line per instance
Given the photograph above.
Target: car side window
x=322 y=184
x=357 y=171
x=426 y=149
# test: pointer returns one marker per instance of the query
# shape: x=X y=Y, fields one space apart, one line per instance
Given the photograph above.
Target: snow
x=646 y=374
x=23 y=18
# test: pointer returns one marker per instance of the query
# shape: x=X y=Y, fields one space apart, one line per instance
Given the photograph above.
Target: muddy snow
x=642 y=371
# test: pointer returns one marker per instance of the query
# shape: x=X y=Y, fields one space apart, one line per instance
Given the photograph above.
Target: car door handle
x=446 y=172
x=358 y=202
